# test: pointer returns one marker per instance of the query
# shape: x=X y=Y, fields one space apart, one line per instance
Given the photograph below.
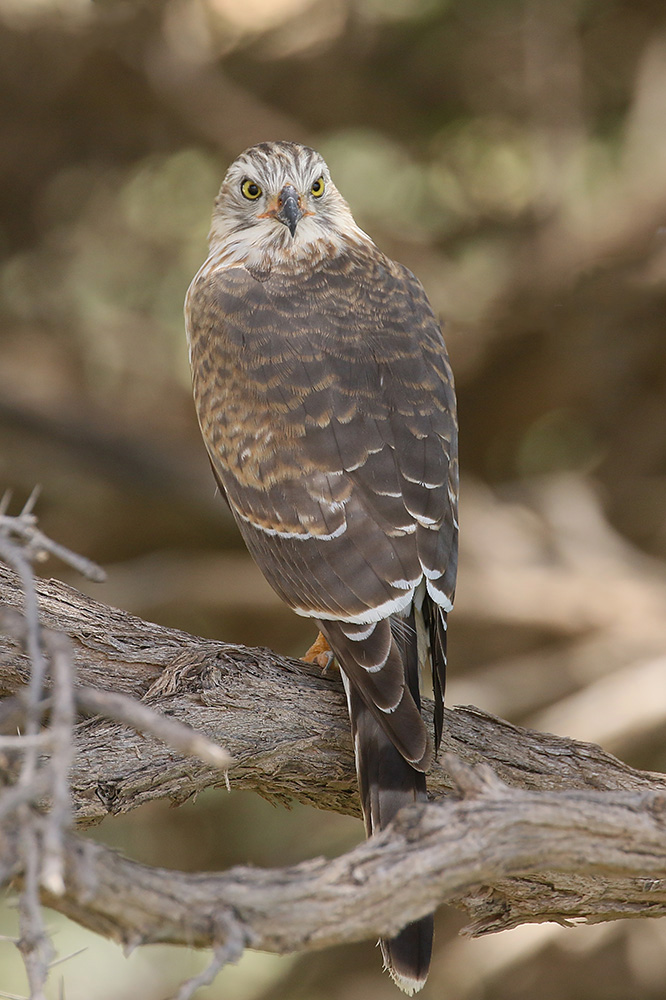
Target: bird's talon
x=325 y=661
x=320 y=653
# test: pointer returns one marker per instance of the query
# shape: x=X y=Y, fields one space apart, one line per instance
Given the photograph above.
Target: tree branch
x=507 y=854
x=569 y=832
x=298 y=745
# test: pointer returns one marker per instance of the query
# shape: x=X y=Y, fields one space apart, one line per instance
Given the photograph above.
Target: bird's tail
x=387 y=783
x=392 y=751
x=407 y=956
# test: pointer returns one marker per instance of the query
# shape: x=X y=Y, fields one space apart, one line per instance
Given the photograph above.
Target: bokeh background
x=513 y=154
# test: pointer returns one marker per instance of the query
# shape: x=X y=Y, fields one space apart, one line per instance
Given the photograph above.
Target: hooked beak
x=289 y=209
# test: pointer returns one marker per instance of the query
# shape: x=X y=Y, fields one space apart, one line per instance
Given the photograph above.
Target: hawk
x=326 y=403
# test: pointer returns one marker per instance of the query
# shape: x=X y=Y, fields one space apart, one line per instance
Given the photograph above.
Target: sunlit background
x=513 y=154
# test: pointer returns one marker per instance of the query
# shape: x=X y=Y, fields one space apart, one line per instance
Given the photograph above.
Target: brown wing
x=327 y=406
x=326 y=402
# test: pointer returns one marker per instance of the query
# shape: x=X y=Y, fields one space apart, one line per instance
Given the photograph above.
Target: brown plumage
x=326 y=402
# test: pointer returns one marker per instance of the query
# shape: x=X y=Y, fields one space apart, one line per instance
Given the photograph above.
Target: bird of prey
x=326 y=403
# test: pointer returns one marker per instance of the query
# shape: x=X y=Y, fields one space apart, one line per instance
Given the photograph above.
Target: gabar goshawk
x=326 y=402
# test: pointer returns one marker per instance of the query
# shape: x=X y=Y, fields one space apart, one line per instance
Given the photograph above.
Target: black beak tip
x=290 y=211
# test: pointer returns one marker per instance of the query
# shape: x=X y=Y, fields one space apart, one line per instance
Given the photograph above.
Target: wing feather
x=309 y=389
x=327 y=405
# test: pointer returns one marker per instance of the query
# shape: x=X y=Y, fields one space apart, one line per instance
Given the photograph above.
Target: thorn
x=66 y=958
x=29 y=505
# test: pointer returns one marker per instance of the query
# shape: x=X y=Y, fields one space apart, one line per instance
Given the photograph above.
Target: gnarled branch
x=508 y=854
x=566 y=831
x=298 y=744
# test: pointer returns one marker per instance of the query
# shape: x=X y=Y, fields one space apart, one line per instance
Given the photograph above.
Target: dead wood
x=546 y=829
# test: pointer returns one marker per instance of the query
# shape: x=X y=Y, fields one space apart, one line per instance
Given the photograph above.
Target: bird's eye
x=250 y=190
x=317 y=188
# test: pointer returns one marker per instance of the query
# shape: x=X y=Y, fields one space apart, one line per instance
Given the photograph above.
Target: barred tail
x=379 y=666
x=386 y=784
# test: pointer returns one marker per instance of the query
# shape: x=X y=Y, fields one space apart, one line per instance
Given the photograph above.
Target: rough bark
x=508 y=855
x=561 y=830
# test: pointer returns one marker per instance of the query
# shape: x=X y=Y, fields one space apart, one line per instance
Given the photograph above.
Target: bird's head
x=278 y=200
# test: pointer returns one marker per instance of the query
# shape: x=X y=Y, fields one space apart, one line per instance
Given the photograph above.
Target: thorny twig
x=20 y=559
x=21 y=544
x=42 y=844
x=34 y=944
x=63 y=716
x=36 y=545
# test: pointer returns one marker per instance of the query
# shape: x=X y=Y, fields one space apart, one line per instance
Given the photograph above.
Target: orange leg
x=320 y=653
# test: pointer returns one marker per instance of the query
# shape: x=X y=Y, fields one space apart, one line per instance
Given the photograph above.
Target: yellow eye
x=317 y=188
x=250 y=190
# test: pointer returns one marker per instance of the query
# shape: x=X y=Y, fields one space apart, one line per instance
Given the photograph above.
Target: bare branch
x=175 y=734
x=36 y=545
x=20 y=795
x=507 y=855
x=178 y=735
x=231 y=951
x=297 y=748
x=34 y=944
x=13 y=556
x=41 y=847
x=558 y=830
x=62 y=756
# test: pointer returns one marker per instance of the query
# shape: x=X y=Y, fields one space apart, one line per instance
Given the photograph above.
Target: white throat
x=268 y=242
